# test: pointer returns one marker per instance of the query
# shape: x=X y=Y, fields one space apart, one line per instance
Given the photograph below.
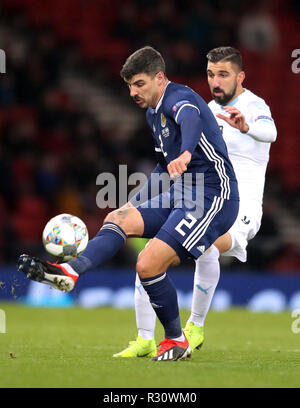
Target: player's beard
x=225 y=97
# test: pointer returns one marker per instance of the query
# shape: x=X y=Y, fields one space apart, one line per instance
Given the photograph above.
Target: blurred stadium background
x=65 y=117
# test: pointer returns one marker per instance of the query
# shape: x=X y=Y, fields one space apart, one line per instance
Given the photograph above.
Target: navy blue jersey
x=183 y=121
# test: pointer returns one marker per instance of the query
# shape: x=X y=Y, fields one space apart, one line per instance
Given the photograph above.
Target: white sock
x=206 y=278
x=144 y=313
x=180 y=338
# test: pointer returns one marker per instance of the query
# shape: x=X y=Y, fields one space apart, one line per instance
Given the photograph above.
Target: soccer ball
x=65 y=236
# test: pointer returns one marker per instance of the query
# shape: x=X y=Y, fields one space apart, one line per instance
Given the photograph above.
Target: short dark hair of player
x=145 y=60
x=226 y=54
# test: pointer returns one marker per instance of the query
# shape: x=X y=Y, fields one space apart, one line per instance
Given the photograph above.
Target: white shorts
x=244 y=228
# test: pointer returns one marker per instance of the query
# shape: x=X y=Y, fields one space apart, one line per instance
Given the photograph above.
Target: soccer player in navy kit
x=189 y=143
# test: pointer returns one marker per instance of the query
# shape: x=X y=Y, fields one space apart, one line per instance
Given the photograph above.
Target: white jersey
x=249 y=157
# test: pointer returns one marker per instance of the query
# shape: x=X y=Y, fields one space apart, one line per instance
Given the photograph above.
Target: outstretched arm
x=262 y=130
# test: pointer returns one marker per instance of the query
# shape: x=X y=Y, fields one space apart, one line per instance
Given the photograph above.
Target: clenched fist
x=178 y=166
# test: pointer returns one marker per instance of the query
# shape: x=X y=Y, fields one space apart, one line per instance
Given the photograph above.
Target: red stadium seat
x=29 y=218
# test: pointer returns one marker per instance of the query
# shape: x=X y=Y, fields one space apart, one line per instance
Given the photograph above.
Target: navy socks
x=163 y=298
x=100 y=249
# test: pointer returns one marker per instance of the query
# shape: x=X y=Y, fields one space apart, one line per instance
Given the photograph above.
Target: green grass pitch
x=73 y=348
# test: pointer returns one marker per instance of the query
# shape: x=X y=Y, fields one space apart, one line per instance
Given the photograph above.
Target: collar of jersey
x=233 y=102
x=161 y=98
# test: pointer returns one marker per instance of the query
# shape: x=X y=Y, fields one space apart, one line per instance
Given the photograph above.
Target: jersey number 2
x=186 y=223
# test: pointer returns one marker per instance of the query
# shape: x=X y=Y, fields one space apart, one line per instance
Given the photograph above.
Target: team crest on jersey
x=163 y=120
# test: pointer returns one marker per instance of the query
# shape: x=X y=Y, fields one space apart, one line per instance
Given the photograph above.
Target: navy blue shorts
x=188 y=230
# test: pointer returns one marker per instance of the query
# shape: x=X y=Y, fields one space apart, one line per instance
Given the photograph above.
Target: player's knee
x=129 y=219
x=143 y=268
x=116 y=216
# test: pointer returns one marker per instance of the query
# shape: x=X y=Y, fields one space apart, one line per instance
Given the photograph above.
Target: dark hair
x=145 y=60
x=226 y=54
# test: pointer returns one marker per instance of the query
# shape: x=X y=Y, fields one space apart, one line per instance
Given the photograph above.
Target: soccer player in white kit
x=248 y=130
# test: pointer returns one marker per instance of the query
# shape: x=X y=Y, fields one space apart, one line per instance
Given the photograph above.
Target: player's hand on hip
x=178 y=166
x=236 y=119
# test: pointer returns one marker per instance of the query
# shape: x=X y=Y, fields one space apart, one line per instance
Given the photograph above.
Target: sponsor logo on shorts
x=245 y=220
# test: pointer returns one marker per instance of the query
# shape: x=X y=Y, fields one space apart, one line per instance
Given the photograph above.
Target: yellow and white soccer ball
x=65 y=236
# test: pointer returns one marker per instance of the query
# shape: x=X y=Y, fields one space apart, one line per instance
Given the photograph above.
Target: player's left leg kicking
x=120 y=224
x=151 y=267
